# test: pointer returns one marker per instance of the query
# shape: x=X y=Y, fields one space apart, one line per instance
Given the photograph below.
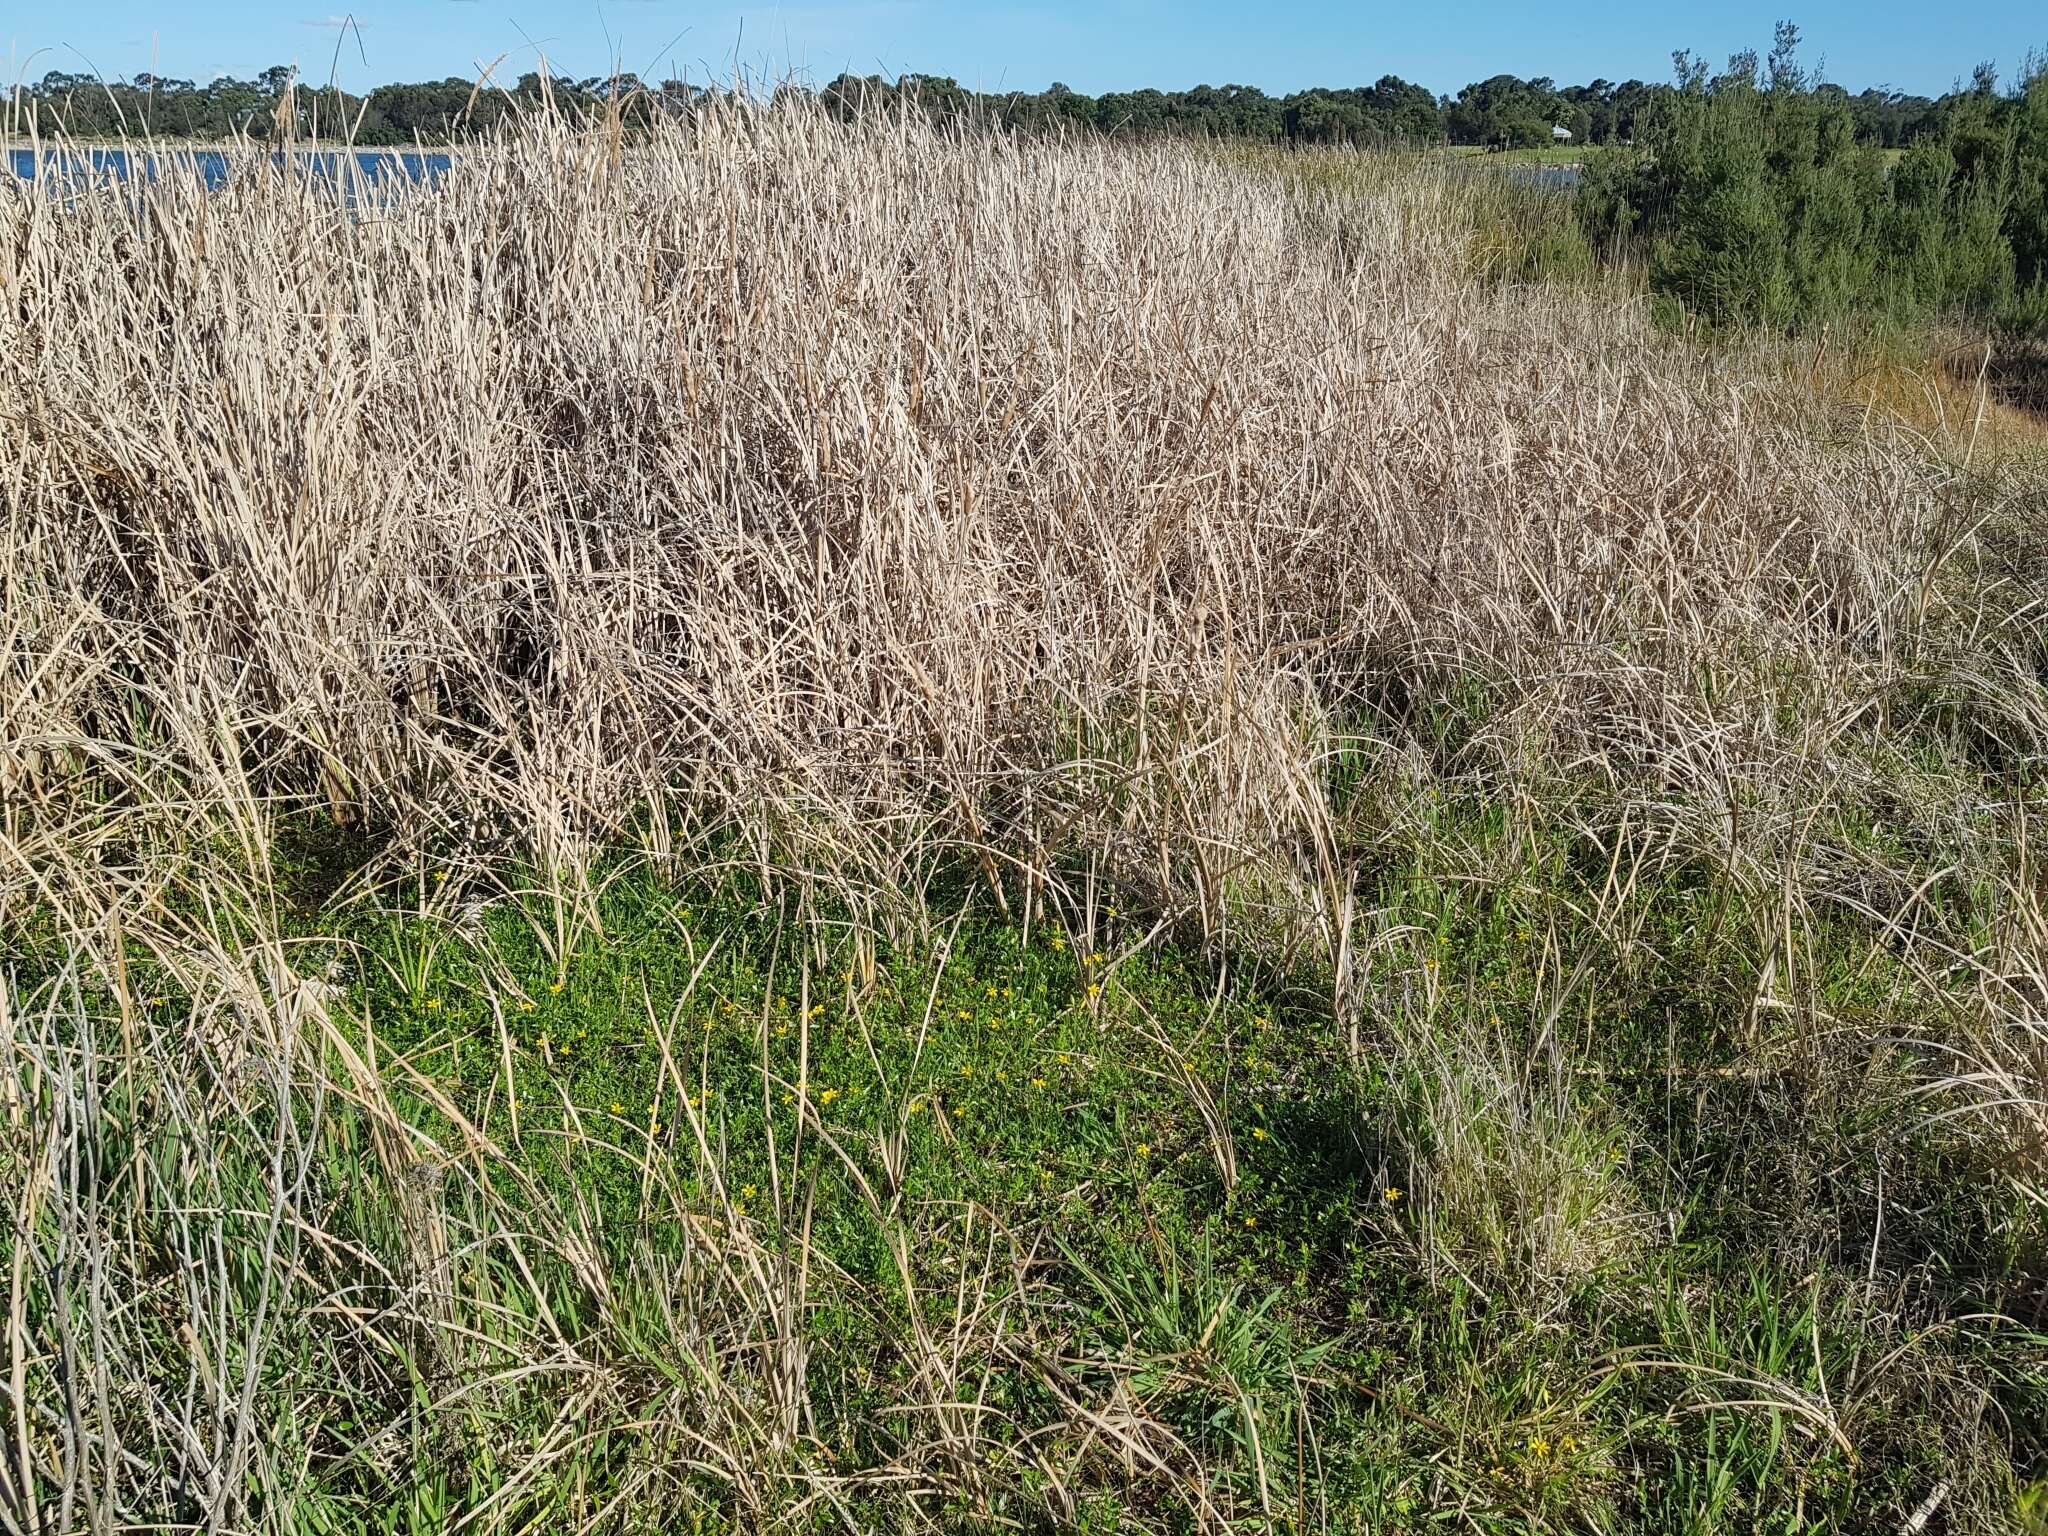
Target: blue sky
x=1092 y=45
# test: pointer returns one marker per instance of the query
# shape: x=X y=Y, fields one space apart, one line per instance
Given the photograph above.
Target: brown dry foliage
x=869 y=492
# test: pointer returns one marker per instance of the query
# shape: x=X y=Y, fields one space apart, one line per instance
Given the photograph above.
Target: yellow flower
x=1258 y=1133
x=994 y=1025
x=1390 y=1194
x=555 y=987
x=440 y=875
x=817 y=1009
x=788 y=1097
x=1096 y=958
x=1038 y=1082
x=1144 y=1149
x=432 y=1004
x=618 y=1108
x=915 y=1106
x=1058 y=943
x=1112 y=911
x=781 y=1030
x=827 y=1097
x=1566 y=1446
x=1250 y=1222
x=1065 y=1059
x=989 y=990
x=1539 y=1445
x=1094 y=990
x=964 y=1014
x=967 y=1071
x=747 y=1191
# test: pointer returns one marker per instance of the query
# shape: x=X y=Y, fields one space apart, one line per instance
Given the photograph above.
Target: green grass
x=1307 y=1268
x=1542 y=154
x=1016 y=1086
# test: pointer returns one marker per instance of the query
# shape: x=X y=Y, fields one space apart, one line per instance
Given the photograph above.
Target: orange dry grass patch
x=1966 y=395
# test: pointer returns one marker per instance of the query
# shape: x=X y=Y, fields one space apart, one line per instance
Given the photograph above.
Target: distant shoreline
x=22 y=142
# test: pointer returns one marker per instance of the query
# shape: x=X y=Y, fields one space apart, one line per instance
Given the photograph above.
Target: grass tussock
x=822 y=826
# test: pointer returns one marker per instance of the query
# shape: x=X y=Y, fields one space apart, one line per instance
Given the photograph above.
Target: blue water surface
x=215 y=167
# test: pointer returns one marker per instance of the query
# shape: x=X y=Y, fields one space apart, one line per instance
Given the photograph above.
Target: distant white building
x=1559 y=134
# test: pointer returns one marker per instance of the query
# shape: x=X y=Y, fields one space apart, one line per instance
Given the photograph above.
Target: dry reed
x=858 y=500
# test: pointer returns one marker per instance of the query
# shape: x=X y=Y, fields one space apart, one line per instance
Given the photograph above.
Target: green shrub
x=1756 y=203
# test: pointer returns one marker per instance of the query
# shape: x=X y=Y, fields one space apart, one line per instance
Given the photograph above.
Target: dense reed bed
x=1616 y=770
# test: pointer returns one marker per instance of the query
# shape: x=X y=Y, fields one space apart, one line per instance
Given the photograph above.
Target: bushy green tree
x=2026 y=217
x=1505 y=110
x=1759 y=200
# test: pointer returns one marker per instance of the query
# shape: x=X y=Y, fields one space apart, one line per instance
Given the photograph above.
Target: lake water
x=375 y=165
x=215 y=167
x=1552 y=178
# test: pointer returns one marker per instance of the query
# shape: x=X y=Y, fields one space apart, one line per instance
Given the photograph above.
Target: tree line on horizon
x=1503 y=111
x=1756 y=195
